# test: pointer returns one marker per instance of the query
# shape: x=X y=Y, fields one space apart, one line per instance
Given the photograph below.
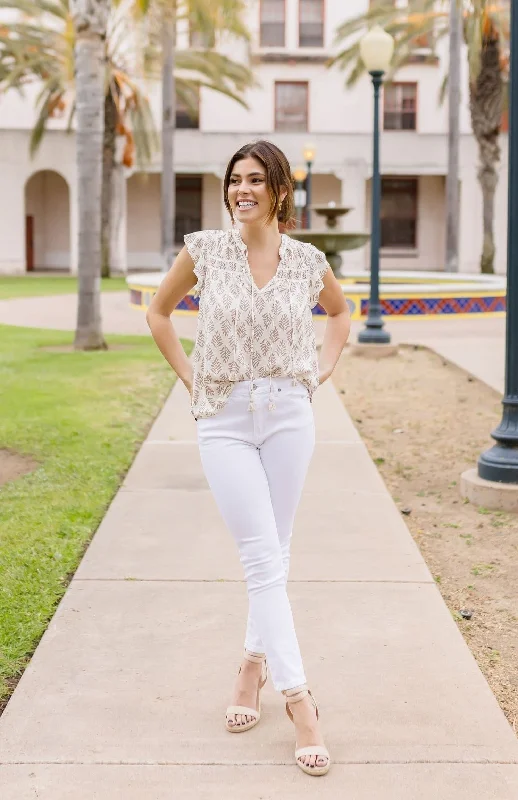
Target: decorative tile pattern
x=136 y=297
x=417 y=306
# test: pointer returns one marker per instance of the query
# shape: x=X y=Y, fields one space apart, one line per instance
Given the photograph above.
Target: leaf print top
x=245 y=332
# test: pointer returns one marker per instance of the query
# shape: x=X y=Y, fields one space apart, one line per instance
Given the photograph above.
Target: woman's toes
x=321 y=761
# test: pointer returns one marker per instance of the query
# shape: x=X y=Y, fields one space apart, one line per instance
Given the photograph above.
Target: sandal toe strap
x=249 y=712
x=312 y=750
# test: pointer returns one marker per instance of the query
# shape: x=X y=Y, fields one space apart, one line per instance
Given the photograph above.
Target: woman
x=253 y=373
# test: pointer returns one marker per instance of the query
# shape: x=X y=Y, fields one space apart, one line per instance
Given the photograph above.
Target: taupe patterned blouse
x=245 y=332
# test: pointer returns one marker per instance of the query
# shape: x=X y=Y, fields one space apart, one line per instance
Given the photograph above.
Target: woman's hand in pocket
x=323 y=374
x=188 y=383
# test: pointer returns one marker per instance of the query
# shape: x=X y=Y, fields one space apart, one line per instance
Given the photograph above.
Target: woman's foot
x=307 y=729
x=311 y=753
x=249 y=680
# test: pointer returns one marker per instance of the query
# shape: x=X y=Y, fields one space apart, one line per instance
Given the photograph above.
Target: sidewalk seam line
x=131 y=579
x=484 y=762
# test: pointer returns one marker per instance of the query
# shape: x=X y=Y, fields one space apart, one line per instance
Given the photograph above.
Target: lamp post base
x=488 y=494
x=499 y=464
x=374 y=351
x=374 y=334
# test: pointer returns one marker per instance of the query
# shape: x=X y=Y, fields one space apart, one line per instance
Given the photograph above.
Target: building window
x=291 y=106
x=400 y=107
x=399 y=213
x=311 y=23
x=188 y=205
x=273 y=23
x=201 y=40
x=186 y=118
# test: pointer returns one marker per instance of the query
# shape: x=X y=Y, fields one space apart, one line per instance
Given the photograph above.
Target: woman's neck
x=261 y=236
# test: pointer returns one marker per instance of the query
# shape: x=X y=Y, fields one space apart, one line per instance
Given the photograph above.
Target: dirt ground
x=14 y=465
x=425 y=421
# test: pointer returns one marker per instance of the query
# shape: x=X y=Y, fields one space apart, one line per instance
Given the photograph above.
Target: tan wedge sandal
x=255 y=713
x=318 y=750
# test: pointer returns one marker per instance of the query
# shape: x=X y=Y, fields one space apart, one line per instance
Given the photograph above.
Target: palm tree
x=39 y=47
x=452 y=177
x=185 y=72
x=90 y=22
x=485 y=27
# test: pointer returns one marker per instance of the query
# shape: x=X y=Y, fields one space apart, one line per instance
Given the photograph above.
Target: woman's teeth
x=246 y=204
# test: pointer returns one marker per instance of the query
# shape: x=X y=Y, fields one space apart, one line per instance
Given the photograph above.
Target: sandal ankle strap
x=255 y=658
x=297 y=694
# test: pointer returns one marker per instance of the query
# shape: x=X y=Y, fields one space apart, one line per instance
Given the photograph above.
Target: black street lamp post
x=309 y=157
x=376 y=49
x=500 y=463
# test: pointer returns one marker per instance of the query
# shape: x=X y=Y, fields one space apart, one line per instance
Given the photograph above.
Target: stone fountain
x=331 y=240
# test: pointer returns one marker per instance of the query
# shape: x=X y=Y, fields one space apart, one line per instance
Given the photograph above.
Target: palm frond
x=428 y=19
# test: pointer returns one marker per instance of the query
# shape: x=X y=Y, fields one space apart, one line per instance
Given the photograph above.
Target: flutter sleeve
x=320 y=266
x=196 y=244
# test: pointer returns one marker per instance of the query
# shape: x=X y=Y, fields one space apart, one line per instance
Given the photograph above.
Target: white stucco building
x=297 y=100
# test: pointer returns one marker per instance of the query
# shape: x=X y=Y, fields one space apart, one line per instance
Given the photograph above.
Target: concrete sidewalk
x=125 y=695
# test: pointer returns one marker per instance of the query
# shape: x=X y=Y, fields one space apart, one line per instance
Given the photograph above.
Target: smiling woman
x=253 y=374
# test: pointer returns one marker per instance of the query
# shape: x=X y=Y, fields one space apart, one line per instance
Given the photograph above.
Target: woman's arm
x=176 y=284
x=338 y=324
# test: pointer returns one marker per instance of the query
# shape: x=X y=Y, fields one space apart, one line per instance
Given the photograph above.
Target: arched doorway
x=47 y=222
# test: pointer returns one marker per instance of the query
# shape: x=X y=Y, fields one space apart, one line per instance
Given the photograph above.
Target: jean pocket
x=299 y=392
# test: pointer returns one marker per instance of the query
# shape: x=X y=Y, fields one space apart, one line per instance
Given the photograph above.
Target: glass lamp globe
x=376 y=49
x=299 y=174
x=309 y=152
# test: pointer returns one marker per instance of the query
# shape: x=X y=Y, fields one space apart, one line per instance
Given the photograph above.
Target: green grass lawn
x=82 y=417
x=37 y=286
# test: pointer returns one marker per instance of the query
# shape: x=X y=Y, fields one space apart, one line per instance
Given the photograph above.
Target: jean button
x=278 y=390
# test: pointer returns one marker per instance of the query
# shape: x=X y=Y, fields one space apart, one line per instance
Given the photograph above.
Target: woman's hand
x=324 y=374
x=188 y=383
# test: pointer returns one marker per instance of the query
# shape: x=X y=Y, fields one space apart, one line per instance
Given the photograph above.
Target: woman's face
x=248 y=191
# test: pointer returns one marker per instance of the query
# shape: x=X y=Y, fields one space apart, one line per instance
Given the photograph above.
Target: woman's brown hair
x=278 y=177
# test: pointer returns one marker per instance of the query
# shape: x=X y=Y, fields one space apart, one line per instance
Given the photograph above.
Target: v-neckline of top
x=244 y=251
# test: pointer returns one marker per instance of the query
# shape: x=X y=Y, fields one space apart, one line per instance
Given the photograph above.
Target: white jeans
x=256 y=464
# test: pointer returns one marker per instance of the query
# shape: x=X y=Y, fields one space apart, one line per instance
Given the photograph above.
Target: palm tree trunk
x=90 y=19
x=452 y=178
x=110 y=123
x=486 y=96
x=488 y=178
x=168 y=184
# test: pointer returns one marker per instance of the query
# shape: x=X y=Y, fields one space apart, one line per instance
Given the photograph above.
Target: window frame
x=312 y=46
x=401 y=112
x=208 y=45
x=408 y=249
x=275 y=105
x=178 y=190
x=261 y=43
x=183 y=109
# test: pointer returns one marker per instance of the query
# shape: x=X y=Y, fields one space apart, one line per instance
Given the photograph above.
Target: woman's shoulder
x=310 y=254
x=206 y=236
